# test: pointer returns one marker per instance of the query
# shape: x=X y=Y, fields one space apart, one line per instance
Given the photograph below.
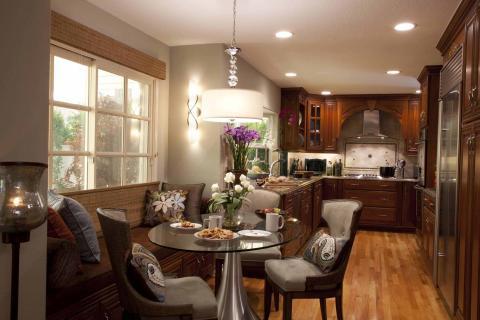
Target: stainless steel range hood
x=371 y=124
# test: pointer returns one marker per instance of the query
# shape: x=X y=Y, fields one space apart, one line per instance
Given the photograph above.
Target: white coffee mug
x=274 y=222
x=213 y=221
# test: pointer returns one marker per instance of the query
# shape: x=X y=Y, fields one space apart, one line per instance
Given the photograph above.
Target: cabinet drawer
x=370 y=185
x=369 y=198
x=373 y=215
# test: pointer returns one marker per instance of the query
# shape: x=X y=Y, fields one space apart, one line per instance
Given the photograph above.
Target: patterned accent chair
x=297 y=278
x=185 y=298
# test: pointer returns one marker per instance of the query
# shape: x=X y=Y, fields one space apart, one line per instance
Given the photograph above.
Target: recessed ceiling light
x=283 y=34
x=326 y=93
x=393 y=72
x=290 y=74
x=404 y=26
x=418 y=91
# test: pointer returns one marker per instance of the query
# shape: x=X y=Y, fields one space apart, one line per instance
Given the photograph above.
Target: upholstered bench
x=91 y=293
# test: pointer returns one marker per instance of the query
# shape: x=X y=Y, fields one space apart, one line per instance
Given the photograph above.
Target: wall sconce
x=193 y=112
x=22 y=209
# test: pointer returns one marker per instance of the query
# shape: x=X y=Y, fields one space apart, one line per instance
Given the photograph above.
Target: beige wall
x=24 y=60
x=101 y=21
x=206 y=66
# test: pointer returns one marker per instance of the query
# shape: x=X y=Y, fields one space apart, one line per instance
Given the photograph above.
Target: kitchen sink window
x=259 y=154
x=101 y=118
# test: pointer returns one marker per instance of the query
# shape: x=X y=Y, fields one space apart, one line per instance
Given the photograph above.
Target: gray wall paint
x=24 y=56
x=207 y=66
x=101 y=21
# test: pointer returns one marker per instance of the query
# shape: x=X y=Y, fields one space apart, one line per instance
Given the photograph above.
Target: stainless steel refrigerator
x=447 y=172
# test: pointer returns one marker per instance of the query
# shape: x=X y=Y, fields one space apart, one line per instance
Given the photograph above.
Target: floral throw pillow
x=165 y=206
x=145 y=273
x=324 y=250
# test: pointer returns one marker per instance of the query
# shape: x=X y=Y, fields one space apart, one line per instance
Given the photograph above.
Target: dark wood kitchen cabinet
x=332 y=189
x=323 y=130
x=462 y=39
x=315 y=138
x=428 y=230
x=469 y=222
x=411 y=127
x=331 y=130
x=317 y=204
x=428 y=227
x=293 y=119
x=388 y=205
x=471 y=106
x=429 y=80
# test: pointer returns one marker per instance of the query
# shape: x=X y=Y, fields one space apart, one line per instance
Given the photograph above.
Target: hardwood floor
x=386 y=279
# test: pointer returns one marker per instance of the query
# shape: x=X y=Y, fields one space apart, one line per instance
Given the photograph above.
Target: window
x=259 y=154
x=100 y=123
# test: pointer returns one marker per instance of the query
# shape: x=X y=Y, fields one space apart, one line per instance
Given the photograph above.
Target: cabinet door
x=473 y=144
x=330 y=126
x=315 y=125
x=412 y=127
x=317 y=204
x=471 y=65
x=424 y=103
x=464 y=223
x=330 y=189
x=431 y=239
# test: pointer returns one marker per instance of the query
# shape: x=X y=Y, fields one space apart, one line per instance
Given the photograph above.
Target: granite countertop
x=296 y=184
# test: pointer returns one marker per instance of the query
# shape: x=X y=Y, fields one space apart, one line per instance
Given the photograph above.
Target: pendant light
x=232 y=104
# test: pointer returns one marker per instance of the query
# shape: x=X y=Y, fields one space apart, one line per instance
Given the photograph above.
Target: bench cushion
x=291 y=274
x=192 y=290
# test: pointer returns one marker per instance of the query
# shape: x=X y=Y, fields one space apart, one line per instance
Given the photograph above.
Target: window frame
x=95 y=64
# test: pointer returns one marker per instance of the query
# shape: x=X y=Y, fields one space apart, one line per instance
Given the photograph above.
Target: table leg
x=232 y=297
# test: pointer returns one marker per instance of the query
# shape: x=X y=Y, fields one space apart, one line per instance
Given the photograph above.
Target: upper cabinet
x=429 y=79
x=308 y=123
x=312 y=123
x=411 y=126
x=323 y=123
x=331 y=130
x=315 y=125
x=471 y=105
x=293 y=119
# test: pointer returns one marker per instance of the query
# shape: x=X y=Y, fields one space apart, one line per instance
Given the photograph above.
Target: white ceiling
x=340 y=45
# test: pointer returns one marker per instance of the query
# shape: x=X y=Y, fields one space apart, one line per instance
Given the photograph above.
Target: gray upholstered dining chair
x=253 y=262
x=297 y=278
x=185 y=298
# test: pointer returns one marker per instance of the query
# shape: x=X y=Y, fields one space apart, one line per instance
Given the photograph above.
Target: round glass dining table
x=231 y=297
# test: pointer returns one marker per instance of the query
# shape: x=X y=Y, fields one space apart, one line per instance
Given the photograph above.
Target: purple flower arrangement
x=239 y=140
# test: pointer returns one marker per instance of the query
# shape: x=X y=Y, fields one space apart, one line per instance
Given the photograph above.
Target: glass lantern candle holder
x=22 y=207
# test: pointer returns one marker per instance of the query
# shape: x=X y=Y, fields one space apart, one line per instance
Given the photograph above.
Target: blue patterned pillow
x=145 y=273
x=324 y=250
x=80 y=223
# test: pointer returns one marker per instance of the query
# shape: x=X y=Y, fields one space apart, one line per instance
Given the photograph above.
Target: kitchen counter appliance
x=318 y=166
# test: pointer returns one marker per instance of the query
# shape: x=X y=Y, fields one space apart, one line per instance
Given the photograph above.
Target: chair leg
x=218 y=274
x=267 y=302
x=287 y=307
x=339 y=306
x=276 y=300
x=323 y=308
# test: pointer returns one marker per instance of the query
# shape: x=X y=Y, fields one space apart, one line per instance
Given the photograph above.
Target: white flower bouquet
x=230 y=199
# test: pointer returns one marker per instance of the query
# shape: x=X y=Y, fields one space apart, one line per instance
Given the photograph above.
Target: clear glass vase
x=231 y=219
x=22 y=207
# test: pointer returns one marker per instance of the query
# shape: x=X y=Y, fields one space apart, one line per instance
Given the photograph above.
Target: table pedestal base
x=232 y=297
